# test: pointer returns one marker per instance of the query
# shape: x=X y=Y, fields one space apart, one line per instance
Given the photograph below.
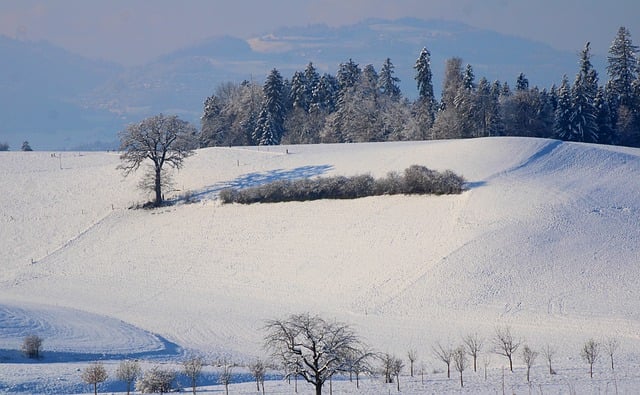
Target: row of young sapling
x=316 y=350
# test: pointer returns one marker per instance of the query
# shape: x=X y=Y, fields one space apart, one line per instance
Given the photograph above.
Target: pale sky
x=135 y=31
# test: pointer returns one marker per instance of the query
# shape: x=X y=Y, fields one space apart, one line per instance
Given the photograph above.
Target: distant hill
x=84 y=101
x=41 y=84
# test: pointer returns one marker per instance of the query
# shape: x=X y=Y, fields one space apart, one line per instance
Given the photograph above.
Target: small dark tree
x=94 y=374
x=590 y=353
x=473 y=343
x=548 y=353
x=611 y=346
x=505 y=344
x=445 y=354
x=226 y=376
x=412 y=355
x=31 y=346
x=128 y=371
x=161 y=139
x=258 y=371
x=460 y=361
x=192 y=368
x=26 y=146
x=529 y=357
x=4 y=146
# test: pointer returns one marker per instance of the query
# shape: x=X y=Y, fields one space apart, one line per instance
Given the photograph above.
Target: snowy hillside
x=544 y=240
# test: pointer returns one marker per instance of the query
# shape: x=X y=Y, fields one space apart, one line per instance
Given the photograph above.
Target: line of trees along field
x=317 y=350
x=360 y=104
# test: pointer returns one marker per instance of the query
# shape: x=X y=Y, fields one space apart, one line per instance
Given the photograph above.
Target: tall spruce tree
x=387 y=82
x=522 y=83
x=583 y=126
x=299 y=92
x=622 y=66
x=606 y=133
x=562 y=118
x=270 y=123
x=426 y=106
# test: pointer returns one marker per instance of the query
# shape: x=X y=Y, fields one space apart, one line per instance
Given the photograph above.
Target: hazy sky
x=134 y=31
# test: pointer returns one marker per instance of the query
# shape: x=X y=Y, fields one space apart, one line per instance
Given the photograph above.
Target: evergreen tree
x=312 y=78
x=368 y=82
x=622 y=67
x=522 y=83
x=426 y=105
x=424 y=76
x=468 y=78
x=299 y=92
x=562 y=119
x=348 y=75
x=26 y=146
x=604 y=120
x=270 y=123
x=583 y=125
x=325 y=94
x=387 y=82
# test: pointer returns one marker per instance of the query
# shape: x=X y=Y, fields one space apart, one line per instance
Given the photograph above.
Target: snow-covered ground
x=545 y=240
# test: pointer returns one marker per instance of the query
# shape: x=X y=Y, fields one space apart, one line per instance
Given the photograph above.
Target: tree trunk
x=448 y=371
x=510 y=364
x=318 y=389
x=591 y=370
x=528 y=369
x=95 y=388
x=475 y=358
x=158 y=187
x=461 y=382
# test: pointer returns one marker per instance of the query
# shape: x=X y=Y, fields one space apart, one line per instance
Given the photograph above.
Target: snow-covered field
x=545 y=240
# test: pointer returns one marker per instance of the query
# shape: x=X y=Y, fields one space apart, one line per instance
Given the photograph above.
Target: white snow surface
x=545 y=240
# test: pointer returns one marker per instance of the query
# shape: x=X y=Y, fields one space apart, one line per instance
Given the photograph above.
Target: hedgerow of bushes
x=416 y=180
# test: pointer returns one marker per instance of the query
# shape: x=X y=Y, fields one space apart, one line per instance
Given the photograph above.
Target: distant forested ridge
x=362 y=104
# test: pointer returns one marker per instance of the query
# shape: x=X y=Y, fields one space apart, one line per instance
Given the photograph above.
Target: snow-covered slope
x=544 y=240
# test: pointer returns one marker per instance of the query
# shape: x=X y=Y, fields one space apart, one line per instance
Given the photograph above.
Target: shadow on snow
x=256 y=179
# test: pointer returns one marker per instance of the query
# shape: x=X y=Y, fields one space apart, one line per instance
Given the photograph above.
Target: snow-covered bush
x=416 y=180
x=156 y=380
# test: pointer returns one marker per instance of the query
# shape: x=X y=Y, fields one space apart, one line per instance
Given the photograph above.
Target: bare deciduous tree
x=359 y=362
x=486 y=361
x=473 y=342
x=529 y=358
x=258 y=371
x=445 y=354
x=611 y=346
x=161 y=139
x=590 y=353
x=128 y=371
x=312 y=347
x=505 y=344
x=413 y=356
x=192 y=367
x=460 y=361
x=391 y=368
x=32 y=345
x=94 y=374
x=156 y=380
x=548 y=352
x=226 y=376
